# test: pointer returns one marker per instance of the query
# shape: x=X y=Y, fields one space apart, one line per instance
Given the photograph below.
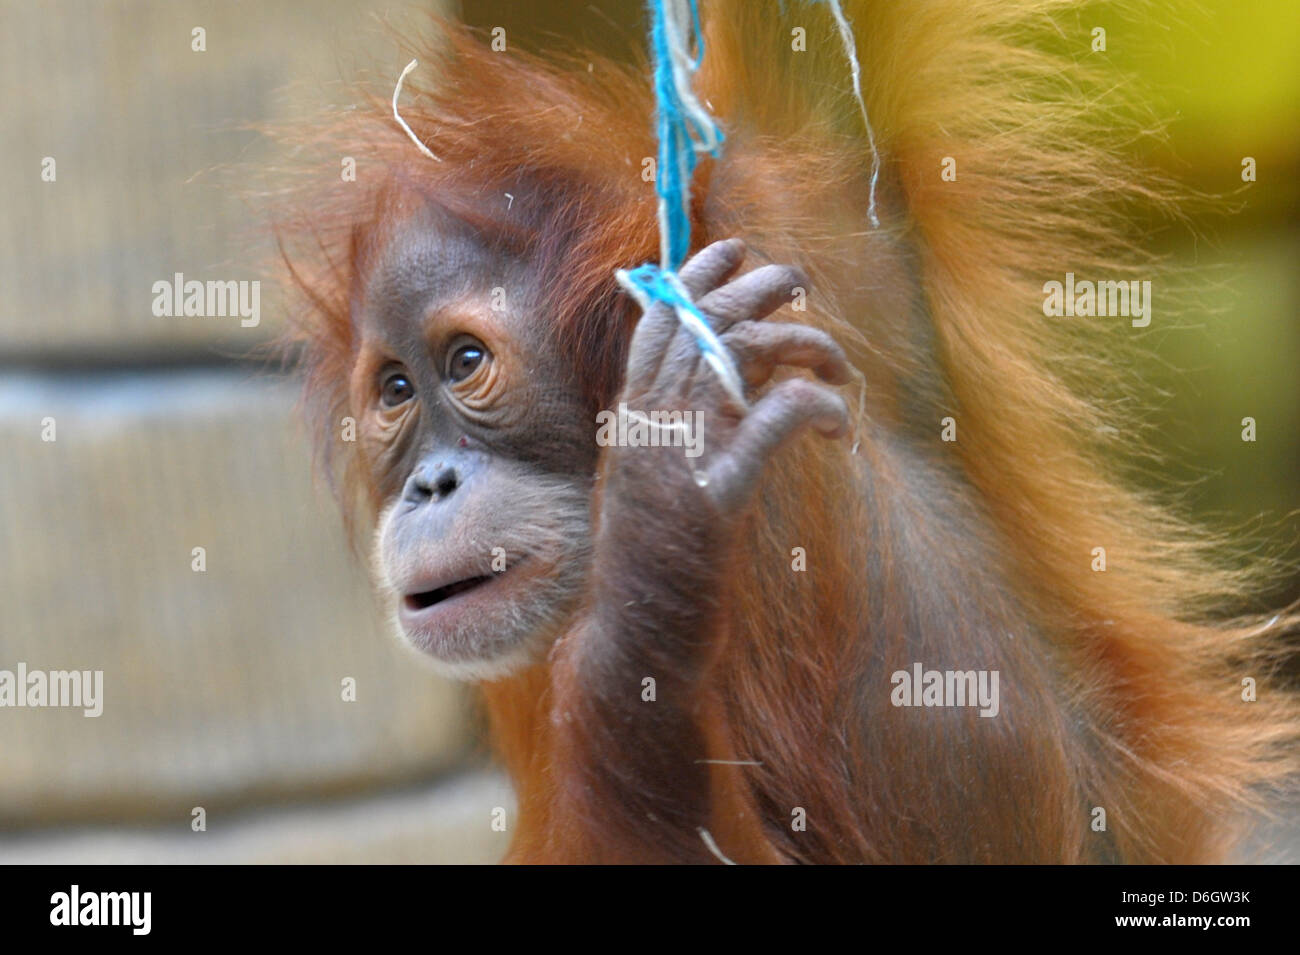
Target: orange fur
x=1136 y=706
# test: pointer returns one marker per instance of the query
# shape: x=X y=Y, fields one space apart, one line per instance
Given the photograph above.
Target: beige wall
x=222 y=689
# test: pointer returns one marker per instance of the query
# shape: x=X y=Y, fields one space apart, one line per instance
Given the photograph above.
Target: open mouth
x=428 y=598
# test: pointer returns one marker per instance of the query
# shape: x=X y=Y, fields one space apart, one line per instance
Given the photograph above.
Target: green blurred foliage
x=1226 y=74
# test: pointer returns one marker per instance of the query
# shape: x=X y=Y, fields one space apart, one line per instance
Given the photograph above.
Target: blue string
x=683 y=133
x=685 y=129
x=680 y=136
x=656 y=284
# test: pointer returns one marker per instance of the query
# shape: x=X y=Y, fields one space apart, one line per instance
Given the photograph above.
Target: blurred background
x=225 y=688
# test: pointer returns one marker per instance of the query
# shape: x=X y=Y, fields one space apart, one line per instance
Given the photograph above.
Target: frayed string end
x=397 y=90
x=855 y=69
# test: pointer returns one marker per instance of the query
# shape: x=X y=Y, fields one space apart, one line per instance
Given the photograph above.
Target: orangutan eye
x=396 y=390
x=465 y=360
